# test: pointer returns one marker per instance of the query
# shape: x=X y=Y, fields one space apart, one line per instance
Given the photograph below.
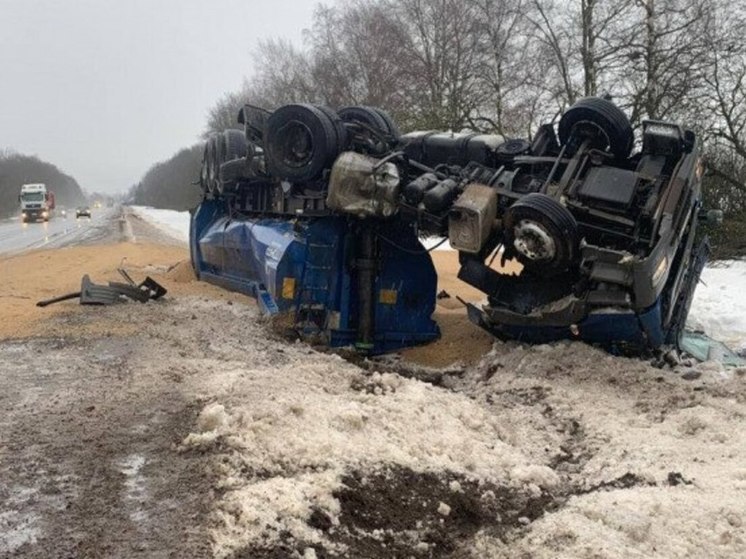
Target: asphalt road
x=58 y=231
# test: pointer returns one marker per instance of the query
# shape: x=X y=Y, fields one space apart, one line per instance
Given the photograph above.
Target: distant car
x=83 y=211
x=63 y=212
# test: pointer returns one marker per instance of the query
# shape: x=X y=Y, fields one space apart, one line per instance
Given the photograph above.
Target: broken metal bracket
x=93 y=294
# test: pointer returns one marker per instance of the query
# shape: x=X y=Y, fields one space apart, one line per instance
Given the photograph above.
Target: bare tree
x=607 y=29
x=725 y=84
x=668 y=58
x=283 y=75
x=507 y=68
x=170 y=184
x=445 y=59
x=223 y=114
x=361 y=54
x=555 y=33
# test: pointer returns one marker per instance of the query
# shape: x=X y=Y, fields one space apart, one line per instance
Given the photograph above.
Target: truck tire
x=542 y=233
x=603 y=115
x=339 y=128
x=375 y=118
x=212 y=164
x=232 y=145
x=300 y=142
x=366 y=115
x=203 y=171
x=391 y=126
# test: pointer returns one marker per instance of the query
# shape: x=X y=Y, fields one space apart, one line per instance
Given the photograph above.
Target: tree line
x=17 y=169
x=169 y=184
x=506 y=66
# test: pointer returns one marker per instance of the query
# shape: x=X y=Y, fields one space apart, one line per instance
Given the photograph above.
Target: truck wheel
x=391 y=126
x=374 y=118
x=365 y=115
x=232 y=145
x=600 y=119
x=542 y=232
x=204 y=171
x=300 y=142
x=235 y=172
x=212 y=164
x=339 y=128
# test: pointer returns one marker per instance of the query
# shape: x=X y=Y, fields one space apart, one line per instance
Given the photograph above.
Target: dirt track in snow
x=165 y=430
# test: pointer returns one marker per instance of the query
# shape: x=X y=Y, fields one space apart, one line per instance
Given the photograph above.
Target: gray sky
x=105 y=88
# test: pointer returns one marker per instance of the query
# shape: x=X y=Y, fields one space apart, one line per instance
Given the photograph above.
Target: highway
x=58 y=231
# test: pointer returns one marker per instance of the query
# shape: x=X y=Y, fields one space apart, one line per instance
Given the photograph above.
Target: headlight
x=23 y=214
x=44 y=214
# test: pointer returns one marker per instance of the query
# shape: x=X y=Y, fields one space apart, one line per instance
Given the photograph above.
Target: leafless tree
x=507 y=70
x=444 y=42
x=668 y=58
x=222 y=115
x=361 y=54
x=170 y=183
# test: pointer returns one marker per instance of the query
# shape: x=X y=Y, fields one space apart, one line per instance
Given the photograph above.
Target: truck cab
x=37 y=202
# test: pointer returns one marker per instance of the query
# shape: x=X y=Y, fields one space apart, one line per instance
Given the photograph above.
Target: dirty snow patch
x=134 y=486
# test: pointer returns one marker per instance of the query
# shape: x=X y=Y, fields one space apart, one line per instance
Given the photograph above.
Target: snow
x=719 y=306
x=306 y=422
x=718 y=309
x=435 y=242
x=173 y=223
x=135 y=486
x=286 y=424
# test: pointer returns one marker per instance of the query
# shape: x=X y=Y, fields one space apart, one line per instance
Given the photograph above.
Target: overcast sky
x=105 y=88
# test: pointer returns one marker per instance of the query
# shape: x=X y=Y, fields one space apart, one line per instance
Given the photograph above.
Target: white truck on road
x=37 y=203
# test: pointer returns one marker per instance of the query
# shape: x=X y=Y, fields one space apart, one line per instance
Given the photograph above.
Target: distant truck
x=37 y=203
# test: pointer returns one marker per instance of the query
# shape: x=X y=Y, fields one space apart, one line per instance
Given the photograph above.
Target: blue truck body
x=305 y=267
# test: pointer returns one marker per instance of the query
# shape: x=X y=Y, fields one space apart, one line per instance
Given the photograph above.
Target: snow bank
x=173 y=223
x=290 y=424
x=631 y=461
x=300 y=427
x=653 y=464
x=719 y=306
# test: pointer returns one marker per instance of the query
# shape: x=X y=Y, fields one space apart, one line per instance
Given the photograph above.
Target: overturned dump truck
x=321 y=212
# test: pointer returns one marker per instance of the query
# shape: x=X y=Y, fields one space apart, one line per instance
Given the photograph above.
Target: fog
x=104 y=88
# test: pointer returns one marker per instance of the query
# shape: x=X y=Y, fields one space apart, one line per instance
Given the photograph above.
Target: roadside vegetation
x=169 y=184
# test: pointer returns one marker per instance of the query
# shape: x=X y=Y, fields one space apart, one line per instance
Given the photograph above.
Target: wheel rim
x=534 y=242
x=295 y=144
